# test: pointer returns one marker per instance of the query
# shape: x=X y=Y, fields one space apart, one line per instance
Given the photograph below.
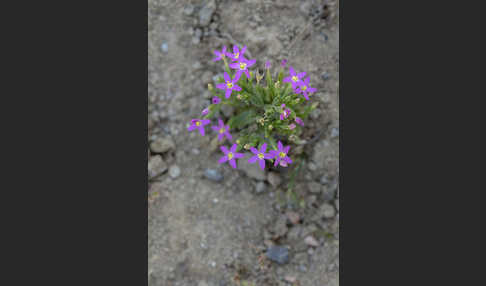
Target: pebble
x=162 y=145
x=290 y=279
x=156 y=166
x=215 y=200
x=278 y=254
x=293 y=217
x=311 y=166
x=213 y=264
x=260 y=187
x=188 y=9
x=327 y=210
x=164 y=47
x=280 y=228
x=325 y=76
x=213 y=175
x=174 y=171
x=206 y=12
x=314 y=187
x=328 y=193
x=274 y=179
x=310 y=240
x=334 y=132
x=324 y=180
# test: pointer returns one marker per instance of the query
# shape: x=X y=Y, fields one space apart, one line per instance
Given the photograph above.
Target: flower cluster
x=262 y=112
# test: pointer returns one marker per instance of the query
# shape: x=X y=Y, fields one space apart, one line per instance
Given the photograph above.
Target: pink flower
x=242 y=66
x=216 y=100
x=222 y=130
x=305 y=88
x=205 y=111
x=285 y=112
x=299 y=121
x=230 y=155
x=292 y=126
x=260 y=155
x=294 y=78
x=220 y=55
x=237 y=54
x=281 y=154
x=198 y=124
x=230 y=84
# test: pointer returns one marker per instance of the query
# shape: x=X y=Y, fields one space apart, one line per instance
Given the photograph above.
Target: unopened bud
x=247 y=146
x=238 y=141
x=238 y=96
x=210 y=87
x=277 y=84
x=270 y=127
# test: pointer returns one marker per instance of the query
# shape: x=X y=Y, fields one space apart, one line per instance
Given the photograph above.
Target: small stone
x=213 y=264
x=260 y=187
x=213 y=175
x=334 y=132
x=195 y=40
x=311 y=166
x=274 y=179
x=188 y=9
x=206 y=12
x=268 y=243
x=215 y=200
x=324 y=180
x=164 y=47
x=325 y=76
x=314 y=187
x=162 y=145
x=156 y=166
x=293 y=217
x=328 y=193
x=278 y=254
x=280 y=228
x=290 y=279
x=327 y=210
x=174 y=171
x=310 y=240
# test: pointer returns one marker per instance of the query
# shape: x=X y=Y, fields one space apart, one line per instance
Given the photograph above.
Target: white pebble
x=215 y=200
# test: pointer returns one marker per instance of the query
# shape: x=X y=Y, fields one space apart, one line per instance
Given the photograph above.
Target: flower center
x=260 y=156
x=242 y=66
x=221 y=131
x=229 y=84
x=198 y=123
x=295 y=78
x=230 y=155
x=282 y=154
x=237 y=55
x=303 y=87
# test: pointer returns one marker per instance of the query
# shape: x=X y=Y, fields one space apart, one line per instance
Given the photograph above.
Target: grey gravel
x=213 y=175
x=164 y=47
x=327 y=210
x=174 y=171
x=251 y=170
x=206 y=12
x=328 y=193
x=274 y=179
x=325 y=76
x=278 y=254
x=260 y=187
x=314 y=187
x=188 y=9
x=162 y=145
x=156 y=166
x=334 y=132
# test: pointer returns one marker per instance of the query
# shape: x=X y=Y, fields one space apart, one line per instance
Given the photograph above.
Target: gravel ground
x=212 y=225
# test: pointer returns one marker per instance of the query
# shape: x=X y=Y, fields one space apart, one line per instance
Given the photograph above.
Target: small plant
x=267 y=113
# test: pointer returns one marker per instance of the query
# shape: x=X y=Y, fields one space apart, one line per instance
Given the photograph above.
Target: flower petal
x=205 y=121
x=224 y=49
x=291 y=71
x=288 y=160
x=287 y=79
x=234 y=65
x=243 y=50
x=280 y=146
x=252 y=159
x=227 y=94
x=311 y=89
x=247 y=74
x=286 y=149
x=221 y=85
x=235 y=49
x=277 y=160
x=301 y=75
x=220 y=122
x=192 y=127
x=220 y=136
x=250 y=62
x=262 y=164
x=233 y=148
x=216 y=59
x=236 y=87
x=305 y=95
x=232 y=162
x=253 y=150
x=224 y=149
x=263 y=148
x=239 y=155
x=237 y=76
x=228 y=135
x=223 y=159
x=226 y=77
x=215 y=128
x=201 y=130
x=268 y=156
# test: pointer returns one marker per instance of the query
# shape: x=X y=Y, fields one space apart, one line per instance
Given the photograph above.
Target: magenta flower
x=205 y=111
x=230 y=155
x=216 y=100
x=299 y=121
x=285 y=112
x=294 y=78
x=305 y=88
x=222 y=130
x=292 y=126
x=283 y=63
x=229 y=84
x=242 y=66
x=237 y=54
x=220 y=55
x=260 y=155
x=268 y=64
x=281 y=154
x=199 y=124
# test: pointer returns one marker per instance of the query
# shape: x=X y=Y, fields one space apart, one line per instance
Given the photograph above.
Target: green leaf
x=242 y=119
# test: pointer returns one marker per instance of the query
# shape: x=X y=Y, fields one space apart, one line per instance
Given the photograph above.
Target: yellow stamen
x=260 y=156
x=198 y=123
x=282 y=154
x=237 y=55
x=229 y=84
x=295 y=79
x=303 y=87
x=242 y=66
x=221 y=131
x=230 y=156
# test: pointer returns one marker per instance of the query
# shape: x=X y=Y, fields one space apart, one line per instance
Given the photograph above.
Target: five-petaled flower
x=222 y=130
x=216 y=100
x=294 y=78
x=237 y=54
x=220 y=55
x=229 y=84
x=285 y=112
x=199 y=124
x=281 y=154
x=230 y=155
x=260 y=155
x=242 y=66
x=305 y=88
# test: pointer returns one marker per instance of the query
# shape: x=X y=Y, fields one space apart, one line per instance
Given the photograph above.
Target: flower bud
x=277 y=84
x=238 y=96
x=247 y=146
x=270 y=127
x=210 y=87
x=238 y=141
